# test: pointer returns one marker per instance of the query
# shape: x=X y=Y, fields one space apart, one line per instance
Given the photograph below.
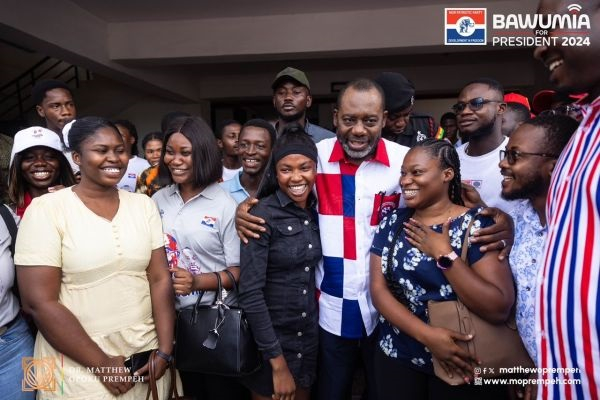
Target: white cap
x=65 y=132
x=35 y=136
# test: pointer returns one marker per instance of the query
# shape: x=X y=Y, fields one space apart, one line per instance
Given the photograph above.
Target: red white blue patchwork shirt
x=348 y=195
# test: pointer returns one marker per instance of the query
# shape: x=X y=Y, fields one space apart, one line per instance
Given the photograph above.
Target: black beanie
x=399 y=91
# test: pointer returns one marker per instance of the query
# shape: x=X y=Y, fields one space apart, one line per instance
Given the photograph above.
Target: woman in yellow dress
x=93 y=274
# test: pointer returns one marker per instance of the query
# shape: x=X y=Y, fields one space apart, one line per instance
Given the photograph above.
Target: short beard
x=292 y=118
x=358 y=155
x=534 y=187
x=484 y=130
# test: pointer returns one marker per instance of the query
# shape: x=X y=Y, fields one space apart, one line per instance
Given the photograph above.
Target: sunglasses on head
x=474 y=104
x=566 y=109
x=513 y=155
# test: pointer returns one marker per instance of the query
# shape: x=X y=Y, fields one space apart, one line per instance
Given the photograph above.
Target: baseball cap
x=517 y=98
x=544 y=99
x=399 y=91
x=290 y=73
x=34 y=136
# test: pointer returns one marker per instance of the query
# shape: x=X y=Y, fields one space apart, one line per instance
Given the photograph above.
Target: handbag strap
x=219 y=296
x=152 y=387
x=236 y=288
x=465 y=320
x=465 y=244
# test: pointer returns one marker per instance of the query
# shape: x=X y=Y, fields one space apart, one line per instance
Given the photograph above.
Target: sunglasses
x=566 y=109
x=474 y=104
x=513 y=155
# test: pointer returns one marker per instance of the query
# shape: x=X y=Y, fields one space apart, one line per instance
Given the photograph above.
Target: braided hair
x=445 y=152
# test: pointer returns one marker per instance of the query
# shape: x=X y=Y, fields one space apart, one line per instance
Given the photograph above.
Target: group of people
x=336 y=241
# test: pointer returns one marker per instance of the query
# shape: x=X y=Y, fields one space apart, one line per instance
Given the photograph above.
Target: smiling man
x=567 y=301
x=479 y=113
x=358 y=173
x=256 y=140
x=526 y=165
x=291 y=99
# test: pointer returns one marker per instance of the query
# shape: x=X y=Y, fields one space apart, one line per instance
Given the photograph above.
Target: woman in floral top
x=415 y=257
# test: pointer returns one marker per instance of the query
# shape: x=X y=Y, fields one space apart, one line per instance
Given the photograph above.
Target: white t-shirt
x=135 y=167
x=230 y=173
x=483 y=172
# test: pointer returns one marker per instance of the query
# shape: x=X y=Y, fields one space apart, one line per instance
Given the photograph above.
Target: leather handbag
x=495 y=345
x=215 y=339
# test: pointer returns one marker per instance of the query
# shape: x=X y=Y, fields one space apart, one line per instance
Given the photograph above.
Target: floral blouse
x=420 y=279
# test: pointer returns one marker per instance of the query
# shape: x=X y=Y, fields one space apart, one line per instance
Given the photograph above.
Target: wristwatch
x=167 y=357
x=444 y=262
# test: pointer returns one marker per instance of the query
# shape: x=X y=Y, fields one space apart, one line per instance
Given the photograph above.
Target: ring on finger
x=503 y=243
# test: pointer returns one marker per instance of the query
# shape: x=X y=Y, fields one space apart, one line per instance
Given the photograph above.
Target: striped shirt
x=567 y=303
x=348 y=197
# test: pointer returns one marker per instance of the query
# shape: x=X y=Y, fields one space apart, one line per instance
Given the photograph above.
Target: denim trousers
x=15 y=344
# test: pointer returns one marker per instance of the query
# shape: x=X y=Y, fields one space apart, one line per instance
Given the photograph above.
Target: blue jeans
x=15 y=344
x=338 y=359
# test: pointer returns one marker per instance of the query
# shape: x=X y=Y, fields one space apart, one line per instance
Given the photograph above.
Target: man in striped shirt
x=568 y=318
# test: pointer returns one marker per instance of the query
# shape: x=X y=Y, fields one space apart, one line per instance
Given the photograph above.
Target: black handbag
x=215 y=339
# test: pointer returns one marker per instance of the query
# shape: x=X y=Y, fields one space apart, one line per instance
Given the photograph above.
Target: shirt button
x=527 y=288
x=299 y=355
x=303 y=315
x=307 y=269
x=310 y=245
x=289 y=228
x=540 y=234
x=306 y=222
x=299 y=333
x=534 y=260
x=304 y=291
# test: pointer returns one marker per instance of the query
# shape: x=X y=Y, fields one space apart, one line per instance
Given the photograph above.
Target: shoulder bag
x=215 y=339
x=495 y=345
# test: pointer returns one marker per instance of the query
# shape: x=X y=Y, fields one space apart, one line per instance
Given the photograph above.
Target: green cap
x=290 y=73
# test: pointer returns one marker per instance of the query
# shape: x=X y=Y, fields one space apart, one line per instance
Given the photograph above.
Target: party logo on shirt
x=131 y=176
x=465 y=26
x=476 y=183
x=209 y=221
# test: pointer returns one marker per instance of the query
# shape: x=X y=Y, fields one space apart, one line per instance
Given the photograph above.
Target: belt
x=5 y=328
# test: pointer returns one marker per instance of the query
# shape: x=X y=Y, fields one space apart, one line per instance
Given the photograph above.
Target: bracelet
x=167 y=357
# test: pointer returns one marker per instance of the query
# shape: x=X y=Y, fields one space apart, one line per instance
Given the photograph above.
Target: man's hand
x=246 y=224
x=499 y=236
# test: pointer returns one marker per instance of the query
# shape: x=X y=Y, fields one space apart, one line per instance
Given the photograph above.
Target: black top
x=420 y=127
x=277 y=281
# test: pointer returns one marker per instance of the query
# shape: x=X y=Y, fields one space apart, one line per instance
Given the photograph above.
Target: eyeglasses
x=513 y=155
x=566 y=109
x=474 y=104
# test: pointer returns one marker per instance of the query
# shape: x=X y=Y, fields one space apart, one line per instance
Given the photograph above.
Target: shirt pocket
x=290 y=237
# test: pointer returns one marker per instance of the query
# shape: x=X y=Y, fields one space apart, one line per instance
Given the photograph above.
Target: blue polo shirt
x=235 y=189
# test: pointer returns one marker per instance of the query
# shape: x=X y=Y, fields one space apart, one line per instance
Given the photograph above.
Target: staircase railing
x=16 y=100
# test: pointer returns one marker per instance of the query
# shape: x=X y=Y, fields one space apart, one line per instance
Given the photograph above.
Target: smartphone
x=137 y=360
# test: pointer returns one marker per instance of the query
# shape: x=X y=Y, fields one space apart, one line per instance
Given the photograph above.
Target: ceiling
x=160 y=10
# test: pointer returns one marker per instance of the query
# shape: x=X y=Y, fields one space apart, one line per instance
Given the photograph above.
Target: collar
x=381 y=155
x=530 y=216
x=210 y=192
x=284 y=199
x=236 y=184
